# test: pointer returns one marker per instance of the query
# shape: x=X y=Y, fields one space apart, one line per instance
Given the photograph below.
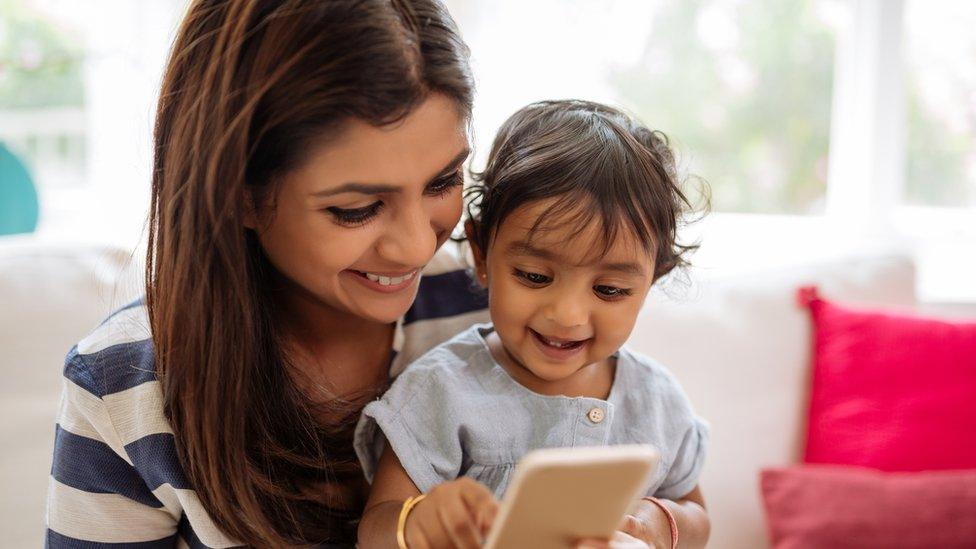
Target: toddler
x=572 y=221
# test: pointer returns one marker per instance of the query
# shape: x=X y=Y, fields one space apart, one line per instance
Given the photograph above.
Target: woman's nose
x=411 y=241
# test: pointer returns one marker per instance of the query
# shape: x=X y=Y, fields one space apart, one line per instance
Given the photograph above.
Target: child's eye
x=445 y=184
x=355 y=217
x=533 y=279
x=611 y=291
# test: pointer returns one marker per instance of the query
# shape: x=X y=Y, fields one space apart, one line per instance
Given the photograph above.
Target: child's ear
x=480 y=267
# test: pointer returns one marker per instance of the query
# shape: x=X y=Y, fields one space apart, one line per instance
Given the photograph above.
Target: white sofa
x=737 y=343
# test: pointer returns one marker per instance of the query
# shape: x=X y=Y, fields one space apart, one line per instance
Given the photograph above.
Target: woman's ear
x=480 y=266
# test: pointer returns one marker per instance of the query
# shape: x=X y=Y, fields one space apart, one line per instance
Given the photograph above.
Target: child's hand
x=454 y=514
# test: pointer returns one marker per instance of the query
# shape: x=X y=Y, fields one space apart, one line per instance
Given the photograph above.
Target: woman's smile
x=385 y=282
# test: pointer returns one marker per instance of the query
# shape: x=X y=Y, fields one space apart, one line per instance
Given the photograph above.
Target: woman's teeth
x=389 y=280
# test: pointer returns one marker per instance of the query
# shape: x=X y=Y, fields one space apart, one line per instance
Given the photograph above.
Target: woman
x=308 y=163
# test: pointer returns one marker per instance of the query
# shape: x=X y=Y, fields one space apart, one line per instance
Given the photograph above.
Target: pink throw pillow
x=892 y=391
x=814 y=506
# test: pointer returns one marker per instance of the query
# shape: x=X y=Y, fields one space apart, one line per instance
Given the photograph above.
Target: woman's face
x=352 y=227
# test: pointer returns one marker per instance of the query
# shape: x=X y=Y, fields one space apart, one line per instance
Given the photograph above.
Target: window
x=853 y=122
x=42 y=95
x=742 y=87
x=940 y=59
x=78 y=82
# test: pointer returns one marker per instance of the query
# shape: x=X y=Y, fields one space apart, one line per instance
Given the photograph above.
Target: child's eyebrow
x=524 y=248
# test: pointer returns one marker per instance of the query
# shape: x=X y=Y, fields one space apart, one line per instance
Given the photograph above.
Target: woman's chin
x=384 y=310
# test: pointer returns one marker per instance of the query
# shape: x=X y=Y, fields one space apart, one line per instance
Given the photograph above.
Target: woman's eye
x=534 y=279
x=445 y=184
x=355 y=216
x=611 y=291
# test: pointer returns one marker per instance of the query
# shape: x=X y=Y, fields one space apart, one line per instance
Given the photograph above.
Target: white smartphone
x=560 y=495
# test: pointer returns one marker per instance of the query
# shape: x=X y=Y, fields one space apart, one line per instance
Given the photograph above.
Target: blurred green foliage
x=40 y=63
x=754 y=112
x=937 y=158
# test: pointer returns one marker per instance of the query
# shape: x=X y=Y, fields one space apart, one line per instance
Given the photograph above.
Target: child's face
x=557 y=306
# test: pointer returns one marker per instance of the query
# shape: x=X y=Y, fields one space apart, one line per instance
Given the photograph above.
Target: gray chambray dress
x=456 y=412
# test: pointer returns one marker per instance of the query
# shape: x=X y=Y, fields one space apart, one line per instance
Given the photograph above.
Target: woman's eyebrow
x=454 y=164
x=381 y=188
x=361 y=188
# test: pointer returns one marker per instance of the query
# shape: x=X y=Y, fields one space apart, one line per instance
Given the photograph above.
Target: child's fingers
x=487 y=518
x=458 y=526
x=481 y=504
x=476 y=495
x=634 y=526
x=592 y=544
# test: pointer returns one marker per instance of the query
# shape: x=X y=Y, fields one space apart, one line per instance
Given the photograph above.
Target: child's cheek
x=616 y=323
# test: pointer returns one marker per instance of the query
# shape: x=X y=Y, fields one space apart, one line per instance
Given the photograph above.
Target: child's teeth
x=557 y=344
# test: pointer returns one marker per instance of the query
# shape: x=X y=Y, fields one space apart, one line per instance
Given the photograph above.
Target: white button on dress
x=596 y=415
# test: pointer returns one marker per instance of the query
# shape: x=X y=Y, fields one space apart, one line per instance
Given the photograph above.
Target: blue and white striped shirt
x=116 y=480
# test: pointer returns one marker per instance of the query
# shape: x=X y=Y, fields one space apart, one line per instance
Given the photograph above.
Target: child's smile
x=560 y=308
x=558 y=348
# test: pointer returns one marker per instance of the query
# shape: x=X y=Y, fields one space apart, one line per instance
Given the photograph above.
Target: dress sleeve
x=95 y=496
x=682 y=476
x=415 y=418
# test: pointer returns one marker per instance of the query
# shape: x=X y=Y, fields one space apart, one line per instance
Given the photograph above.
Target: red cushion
x=890 y=390
x=822 y=506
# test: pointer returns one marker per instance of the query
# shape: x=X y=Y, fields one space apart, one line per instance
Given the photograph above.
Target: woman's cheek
x=447 y=212
x=343 y=248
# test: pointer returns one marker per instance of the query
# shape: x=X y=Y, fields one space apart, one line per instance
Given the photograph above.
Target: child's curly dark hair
x=594 y=160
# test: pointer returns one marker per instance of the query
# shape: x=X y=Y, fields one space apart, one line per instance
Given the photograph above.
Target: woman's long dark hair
x=250 y=85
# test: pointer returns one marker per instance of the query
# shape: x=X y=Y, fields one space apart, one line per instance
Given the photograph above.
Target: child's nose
x=567 y=312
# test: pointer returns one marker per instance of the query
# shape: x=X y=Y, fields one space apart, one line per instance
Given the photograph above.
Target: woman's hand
x=454 y=514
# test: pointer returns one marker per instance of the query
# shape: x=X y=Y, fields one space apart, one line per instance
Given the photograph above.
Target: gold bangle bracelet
x=402 y=521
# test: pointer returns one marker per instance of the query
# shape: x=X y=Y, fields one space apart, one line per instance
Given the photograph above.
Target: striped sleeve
x=96 y=497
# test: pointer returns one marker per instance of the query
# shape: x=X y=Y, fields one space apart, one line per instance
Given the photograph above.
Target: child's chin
x=552 y=372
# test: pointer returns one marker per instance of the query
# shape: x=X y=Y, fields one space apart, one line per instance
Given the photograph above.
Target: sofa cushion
x=837 y=506
x=52 y=295
x=890 y=390
x=739 y=345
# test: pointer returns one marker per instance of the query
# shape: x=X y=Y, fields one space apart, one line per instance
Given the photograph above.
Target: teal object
x=18 y=197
